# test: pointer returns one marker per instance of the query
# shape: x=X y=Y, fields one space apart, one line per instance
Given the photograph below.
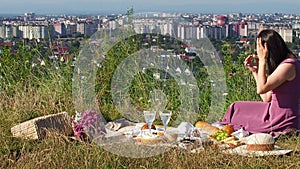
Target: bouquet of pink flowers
x=88 y=125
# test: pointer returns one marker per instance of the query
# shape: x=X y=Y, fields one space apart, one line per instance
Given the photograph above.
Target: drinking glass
x=149 y=118
x=165 y=117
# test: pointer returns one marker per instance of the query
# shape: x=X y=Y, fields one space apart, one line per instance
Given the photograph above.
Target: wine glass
x=149 y=118
x=165 y=117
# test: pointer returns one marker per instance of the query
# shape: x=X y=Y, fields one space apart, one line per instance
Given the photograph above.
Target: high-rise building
x=162 y=26
x=203 y=31
x=253 y=25
x=6 y=31
x=2 y=31
x=34 y=31
x=112 y=25
x=16 y=31
x=230 y=32
x=215 y=32
x=241 y=28
x=80 y=27
x=86 y=28
x=71 y=28
x=221 y=20
x=59 y=29
x=90 y=28
x=28 y=16
x=166 y=28
x=286 y=32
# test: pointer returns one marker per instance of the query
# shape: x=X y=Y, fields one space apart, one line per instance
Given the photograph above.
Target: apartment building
x=285 y=31
x=34 y=31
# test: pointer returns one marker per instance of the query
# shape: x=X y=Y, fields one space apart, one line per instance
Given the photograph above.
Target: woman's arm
x=284 y=72
x=253 y=67
x=265 y=85
x=266 y=97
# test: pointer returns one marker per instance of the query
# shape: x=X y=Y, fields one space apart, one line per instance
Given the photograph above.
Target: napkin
x=119 y=123
x=184 y=128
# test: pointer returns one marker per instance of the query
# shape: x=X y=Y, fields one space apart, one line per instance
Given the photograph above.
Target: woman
x=277 y=74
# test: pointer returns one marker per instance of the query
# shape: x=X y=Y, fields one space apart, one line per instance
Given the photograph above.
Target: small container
x=240 y=133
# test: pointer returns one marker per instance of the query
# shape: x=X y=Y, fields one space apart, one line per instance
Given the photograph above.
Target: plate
x=241 y=150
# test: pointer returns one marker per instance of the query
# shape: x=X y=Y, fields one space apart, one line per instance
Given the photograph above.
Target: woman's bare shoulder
x=287 y=69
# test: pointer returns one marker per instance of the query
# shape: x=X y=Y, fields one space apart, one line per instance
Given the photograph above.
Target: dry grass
x=59 y=152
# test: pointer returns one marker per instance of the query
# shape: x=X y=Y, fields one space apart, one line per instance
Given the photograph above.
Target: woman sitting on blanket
x=276 y=71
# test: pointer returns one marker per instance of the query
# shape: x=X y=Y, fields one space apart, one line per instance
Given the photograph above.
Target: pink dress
x=275 y=117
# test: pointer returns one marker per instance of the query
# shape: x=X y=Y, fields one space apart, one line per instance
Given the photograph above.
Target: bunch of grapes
x=220 y=135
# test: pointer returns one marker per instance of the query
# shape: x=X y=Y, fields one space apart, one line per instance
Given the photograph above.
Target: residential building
x=34 y=31
x=86 y=28
x=241 y=28
x=285 y=31
x=59 y=29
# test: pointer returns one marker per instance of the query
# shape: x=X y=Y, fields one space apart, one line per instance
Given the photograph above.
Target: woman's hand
x=251 y=62
x=262 y=50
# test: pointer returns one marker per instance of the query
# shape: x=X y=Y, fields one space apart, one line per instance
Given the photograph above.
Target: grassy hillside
x=29 y=89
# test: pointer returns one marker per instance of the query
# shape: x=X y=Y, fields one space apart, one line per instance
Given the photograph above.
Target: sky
x=120 y=6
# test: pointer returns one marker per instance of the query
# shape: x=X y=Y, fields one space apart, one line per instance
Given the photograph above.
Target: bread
x=160 y=133
x=206 y=127
x=260 y=142
x=145 y=126
x=231 y=141
x=151 y=139
x=201 y=124
x=228 y=128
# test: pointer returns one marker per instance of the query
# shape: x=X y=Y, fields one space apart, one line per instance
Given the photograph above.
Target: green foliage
x=143 y=83
x=27 y=72
x=22 y=69
x=29 y=66
x=240 y=82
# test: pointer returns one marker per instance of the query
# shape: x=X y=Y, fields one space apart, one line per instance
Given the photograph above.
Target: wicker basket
x=36 y=128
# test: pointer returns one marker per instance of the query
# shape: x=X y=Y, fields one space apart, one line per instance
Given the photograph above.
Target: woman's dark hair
x=278 y=50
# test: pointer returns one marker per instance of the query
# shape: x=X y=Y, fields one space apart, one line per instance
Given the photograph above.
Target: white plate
x=241 y=150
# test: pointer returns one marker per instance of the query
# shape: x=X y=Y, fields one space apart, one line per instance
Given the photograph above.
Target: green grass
x=29 y=92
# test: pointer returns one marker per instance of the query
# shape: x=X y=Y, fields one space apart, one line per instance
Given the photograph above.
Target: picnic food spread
x=222 y=135
x=194 y=138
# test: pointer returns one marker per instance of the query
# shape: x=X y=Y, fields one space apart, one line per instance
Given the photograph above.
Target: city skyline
x=120 y=6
